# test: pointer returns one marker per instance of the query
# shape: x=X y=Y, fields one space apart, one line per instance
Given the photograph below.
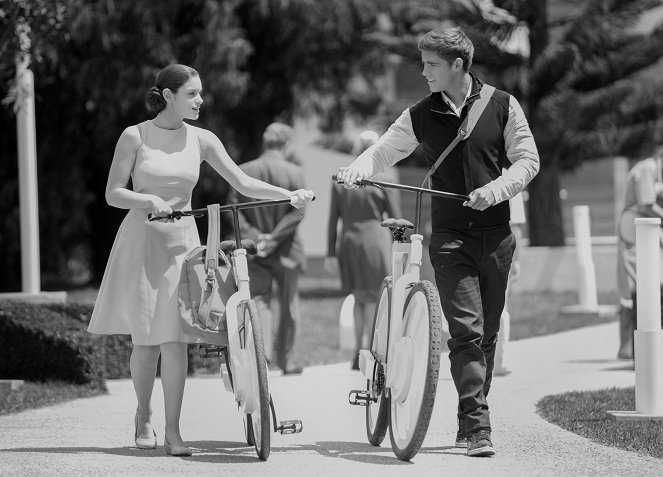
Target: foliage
x=39 y=343
x=93 y=60
x=32 y=395
x=590 y=81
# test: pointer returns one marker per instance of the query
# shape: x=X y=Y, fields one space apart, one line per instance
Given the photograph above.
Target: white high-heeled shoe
x=142 y=442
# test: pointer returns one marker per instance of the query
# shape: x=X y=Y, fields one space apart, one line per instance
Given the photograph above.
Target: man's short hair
x=449 y=43
x=276 y=136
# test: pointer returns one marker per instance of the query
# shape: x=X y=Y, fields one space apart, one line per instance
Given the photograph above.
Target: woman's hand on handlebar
x=300 y=197
x=160 y=207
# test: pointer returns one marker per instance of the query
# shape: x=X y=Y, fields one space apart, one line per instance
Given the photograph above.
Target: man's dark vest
x=471 y=164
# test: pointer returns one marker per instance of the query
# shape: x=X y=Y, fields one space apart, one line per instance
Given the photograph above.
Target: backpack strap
x=465 y=129
x=210 y=287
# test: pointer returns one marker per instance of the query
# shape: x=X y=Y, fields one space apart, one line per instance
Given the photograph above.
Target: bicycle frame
x=406 y=267
x=406 y=262
x=245 y=393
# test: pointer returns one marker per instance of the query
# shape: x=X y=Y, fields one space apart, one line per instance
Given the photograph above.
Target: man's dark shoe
x=461 y=439
x=479 y=444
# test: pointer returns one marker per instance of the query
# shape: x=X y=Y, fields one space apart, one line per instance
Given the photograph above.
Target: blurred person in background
x=280 y=256
x=139 y=290
x=643 y=196
x=471 y=245
x=363 y=250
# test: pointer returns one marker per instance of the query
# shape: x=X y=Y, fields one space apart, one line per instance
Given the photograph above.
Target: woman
x=138 y=293
x=365 y=246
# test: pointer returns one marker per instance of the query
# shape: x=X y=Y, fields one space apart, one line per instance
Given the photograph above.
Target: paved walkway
x=94 y=436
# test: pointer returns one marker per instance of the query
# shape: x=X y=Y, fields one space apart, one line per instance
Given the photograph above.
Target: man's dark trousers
x=472 y=271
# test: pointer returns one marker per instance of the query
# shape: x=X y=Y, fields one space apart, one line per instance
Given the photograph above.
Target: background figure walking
x=363 y=251
x=139 y=290
x=280 y=256
x=643 y=195
x=517 y=222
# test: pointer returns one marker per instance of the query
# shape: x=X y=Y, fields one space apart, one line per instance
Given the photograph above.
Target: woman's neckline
x=166 y=129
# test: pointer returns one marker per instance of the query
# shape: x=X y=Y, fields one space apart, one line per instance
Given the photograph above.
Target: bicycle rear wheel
x=256 y=422
x=411 y=403
x=377 y=414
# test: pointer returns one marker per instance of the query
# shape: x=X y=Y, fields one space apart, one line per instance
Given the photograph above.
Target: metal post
x=27 y=175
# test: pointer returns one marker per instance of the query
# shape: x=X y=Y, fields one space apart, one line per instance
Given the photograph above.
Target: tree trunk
x=545 y=208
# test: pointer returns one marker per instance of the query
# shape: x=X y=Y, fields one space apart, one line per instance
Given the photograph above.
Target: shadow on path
x=234 y=452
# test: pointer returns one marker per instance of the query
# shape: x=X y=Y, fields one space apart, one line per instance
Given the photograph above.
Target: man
x=644 y=183
x=471 y=244
x=280 y=254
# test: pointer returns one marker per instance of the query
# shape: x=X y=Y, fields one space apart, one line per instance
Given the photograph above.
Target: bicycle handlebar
x=389 y=185
x=178 y=214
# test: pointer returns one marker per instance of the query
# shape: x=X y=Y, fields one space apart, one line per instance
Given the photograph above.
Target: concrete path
x=94 y=437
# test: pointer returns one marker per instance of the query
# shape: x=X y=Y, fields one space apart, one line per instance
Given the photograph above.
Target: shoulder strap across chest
x=473 y=115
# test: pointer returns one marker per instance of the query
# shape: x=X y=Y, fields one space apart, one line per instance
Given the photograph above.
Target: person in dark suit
x=280 y=255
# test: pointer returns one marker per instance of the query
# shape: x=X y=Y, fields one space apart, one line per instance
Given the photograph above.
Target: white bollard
x=586 y=273
x=346 y=324
x=648 y=336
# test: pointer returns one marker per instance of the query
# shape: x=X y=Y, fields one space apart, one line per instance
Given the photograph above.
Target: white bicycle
x=244 y=357
x=402 y=364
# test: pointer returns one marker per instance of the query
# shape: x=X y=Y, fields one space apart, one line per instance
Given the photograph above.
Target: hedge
x=50 y=342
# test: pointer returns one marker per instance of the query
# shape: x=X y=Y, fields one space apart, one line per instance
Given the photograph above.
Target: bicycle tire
x=377 y=414
x=257 y=423
x=422 y=324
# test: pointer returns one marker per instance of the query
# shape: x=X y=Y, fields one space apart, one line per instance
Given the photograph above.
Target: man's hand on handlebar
x=349 y=176
x=300 y=197
x=480 y=199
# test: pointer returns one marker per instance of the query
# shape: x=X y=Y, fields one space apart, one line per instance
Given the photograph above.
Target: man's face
x=437 y=71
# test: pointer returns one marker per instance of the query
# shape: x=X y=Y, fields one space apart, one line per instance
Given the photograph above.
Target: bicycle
x=244 y=357
x=402 y=364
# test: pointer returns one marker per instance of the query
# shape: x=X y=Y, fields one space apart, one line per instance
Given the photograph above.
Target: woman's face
x=186 y=101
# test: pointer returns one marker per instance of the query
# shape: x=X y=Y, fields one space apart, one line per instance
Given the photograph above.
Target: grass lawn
x=584 y=413
x=532 y=314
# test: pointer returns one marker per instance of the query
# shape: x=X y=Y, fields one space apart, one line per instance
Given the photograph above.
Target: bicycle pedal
x=290 y=427
x=361 y=397
x=211 y=351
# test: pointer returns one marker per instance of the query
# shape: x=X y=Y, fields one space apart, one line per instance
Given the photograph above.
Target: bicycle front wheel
x=419 y=348
x=256 y=423
x=377 y=414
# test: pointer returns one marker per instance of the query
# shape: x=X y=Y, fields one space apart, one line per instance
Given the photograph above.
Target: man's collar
x=439 y=103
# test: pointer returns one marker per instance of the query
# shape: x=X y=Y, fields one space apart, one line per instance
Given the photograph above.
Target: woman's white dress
x=138 y=293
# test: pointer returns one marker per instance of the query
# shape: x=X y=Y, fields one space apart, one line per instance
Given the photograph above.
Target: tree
x=590 y=90
x=260 y=60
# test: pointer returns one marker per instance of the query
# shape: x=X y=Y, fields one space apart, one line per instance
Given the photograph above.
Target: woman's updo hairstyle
x=171 y=77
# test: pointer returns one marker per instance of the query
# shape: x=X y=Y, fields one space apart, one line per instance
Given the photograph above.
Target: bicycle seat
x=397 y=224
x=228 y=246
